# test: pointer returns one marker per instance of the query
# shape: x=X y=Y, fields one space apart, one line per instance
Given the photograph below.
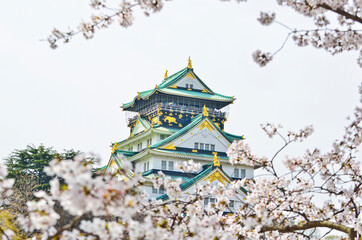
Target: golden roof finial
x=114 y=148
x=204 y=111
x=189 y=65
x=166 y=75
x=216 y=160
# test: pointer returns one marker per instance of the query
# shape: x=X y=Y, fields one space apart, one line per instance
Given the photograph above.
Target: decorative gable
x=140 y=126
x=216 y=177
x=190 y=81
x=114 y=165
x=212 y=175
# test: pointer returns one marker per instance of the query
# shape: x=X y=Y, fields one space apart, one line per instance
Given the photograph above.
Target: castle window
x=201 y=146
x=196 y=145
x=242 y=173
x=187 y=85
x=154 y=190
x=163 y=136
x=146 y=166
x=162 y=190
x=191 y=86
x=139 y=146
x=149 y=142
x=207 y=147
x=236 y=173
x=163 y=165
x=170 y=165
x=206 y=201
x=212 y=147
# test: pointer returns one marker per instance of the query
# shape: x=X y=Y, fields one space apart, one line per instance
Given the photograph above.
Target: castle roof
x=168 y=86
x=206 y=174
x=175 y=133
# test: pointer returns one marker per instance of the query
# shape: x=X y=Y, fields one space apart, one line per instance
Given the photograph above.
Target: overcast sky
x=71 y=97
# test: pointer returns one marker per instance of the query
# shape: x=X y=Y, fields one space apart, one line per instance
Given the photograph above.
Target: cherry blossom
x=343 y=35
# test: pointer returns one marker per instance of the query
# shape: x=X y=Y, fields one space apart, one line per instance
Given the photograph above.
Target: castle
x=178 y=120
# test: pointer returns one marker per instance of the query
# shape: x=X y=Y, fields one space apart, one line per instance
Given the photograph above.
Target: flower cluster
x=189 y=166
x=103 y=16
x=262 y=58
x=239 y=153
x=266 y=18
x=270 y=129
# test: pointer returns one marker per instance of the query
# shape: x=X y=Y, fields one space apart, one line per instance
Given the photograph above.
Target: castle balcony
x=131 y=117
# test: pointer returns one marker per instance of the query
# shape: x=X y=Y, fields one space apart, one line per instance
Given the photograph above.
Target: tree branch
x=312 y=224
x=340 y=11
x=67 y=227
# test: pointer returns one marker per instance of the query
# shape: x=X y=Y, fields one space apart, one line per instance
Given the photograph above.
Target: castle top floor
x=183 y=94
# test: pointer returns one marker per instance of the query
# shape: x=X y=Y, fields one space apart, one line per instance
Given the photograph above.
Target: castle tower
x=178 y=120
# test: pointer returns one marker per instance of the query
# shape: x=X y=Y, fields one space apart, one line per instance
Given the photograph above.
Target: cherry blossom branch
x=309 y=225
x=341 y=12
x=69 y=226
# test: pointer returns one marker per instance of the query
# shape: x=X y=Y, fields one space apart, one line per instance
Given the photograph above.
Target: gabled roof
x=176 y=133
x=156 y=128
x=194 y=122
x=208 y=169
x=173 y=79
x=117 y=157
x=167 y=87
x=140 y=122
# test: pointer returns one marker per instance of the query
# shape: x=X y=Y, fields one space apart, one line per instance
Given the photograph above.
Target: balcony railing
x=213 y=112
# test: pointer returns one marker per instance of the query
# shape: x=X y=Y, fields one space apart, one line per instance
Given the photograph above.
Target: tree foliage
x=32 y=160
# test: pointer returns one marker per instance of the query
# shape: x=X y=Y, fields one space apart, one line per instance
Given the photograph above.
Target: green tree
x=32 y=161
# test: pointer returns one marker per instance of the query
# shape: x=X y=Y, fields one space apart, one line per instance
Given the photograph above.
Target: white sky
x=71 y=97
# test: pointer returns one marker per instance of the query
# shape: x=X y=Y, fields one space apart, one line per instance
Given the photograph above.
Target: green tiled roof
x=164 y=87
x=127 y=154
x=195 y=94
x=191 y=182
x=144 y=123
x=165 y=129
x=196 y=120
x=174 y=78
x=162 y=129
x=101 y=168
x=233 y=137
x=228 y=136
x=194 y=180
